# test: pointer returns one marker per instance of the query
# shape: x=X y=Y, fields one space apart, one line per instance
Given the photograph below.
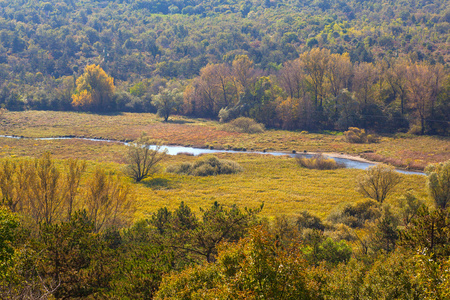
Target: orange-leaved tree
x=95 y=90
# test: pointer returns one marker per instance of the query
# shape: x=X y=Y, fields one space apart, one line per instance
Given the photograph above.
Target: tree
x=107 y=201
x=73 y=258
x=257 y=267
x=74 y=171
x=424 y=84
x=95 y=90
x=242 y=68
x=8 y=223
x=197 y=240
x=143 y=161
x=292 y=78
x=167 y=102
x=45 y=194
x=438 y=183
x=378 y=182
x=315 y=64
x=428 y=233
x=365 y=75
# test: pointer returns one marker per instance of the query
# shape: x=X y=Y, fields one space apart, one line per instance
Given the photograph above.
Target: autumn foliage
x=95 y=90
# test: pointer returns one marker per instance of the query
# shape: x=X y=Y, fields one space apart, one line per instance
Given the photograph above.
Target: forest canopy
x=377 y=46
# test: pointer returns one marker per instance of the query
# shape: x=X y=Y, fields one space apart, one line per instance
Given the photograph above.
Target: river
x=175 y=150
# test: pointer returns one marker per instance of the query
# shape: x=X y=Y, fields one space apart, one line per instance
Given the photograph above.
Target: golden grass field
x=279 y=182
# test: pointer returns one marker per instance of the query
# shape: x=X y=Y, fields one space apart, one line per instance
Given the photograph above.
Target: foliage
x=378 y=182
x=108 y=201
x=428 y=233
x=306 y=220
x=356 y=135
x=74 y=258
x=357 y=214
x=8 y=224
x=256 y=267
x=196 y=239
x=208 y=166
x=40 y=190
x=333 y=252
x=438 y=183
x=95 y=90
x=319 y=162
x=143 y=162
x=244 y=125
x=167 y=102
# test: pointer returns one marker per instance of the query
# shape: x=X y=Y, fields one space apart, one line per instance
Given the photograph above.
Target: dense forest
x=311 y=65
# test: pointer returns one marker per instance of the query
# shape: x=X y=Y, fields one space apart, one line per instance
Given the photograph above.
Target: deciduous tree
x=438 y=183
x=95 y=90
x=378 y=182
x=167 y=102
x=143 y=161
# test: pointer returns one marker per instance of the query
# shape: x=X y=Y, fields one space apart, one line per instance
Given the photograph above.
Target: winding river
x=175 y=150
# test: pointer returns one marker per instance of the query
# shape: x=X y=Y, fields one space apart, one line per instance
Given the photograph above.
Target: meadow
x=278 y=182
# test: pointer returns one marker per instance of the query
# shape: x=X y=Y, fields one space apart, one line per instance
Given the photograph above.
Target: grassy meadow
x=278 y=182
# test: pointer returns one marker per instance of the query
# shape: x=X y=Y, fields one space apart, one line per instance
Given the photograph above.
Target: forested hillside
x=378 y=47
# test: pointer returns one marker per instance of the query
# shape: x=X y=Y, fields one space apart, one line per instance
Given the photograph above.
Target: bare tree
x=38 y=188
x=424 y=85
x=378 y=182
x=143 y=161
x=108 y=201
x=14 y=181
x=45 y=196
x=74 y=171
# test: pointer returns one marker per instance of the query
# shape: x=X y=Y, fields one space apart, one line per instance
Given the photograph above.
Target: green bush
x=244 y=125
x=307 y=220
x=319 y=162
x=208 y=166
x=356 y=215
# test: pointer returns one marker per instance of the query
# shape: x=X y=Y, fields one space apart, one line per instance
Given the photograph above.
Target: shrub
x=319 y=162
x=244 y=125
x=359 y=136
x=356 y=215
x=307 y=220
x=208 y=166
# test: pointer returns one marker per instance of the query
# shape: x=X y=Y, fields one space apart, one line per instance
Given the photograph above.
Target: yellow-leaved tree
x=95 y=90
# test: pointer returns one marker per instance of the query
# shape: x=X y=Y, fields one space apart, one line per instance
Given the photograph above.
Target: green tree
x=8 y=224
x=74 y=258
x=428 y=233
x=167 y=102
x=438 y=183
x=257 y=267
x=197 y=239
